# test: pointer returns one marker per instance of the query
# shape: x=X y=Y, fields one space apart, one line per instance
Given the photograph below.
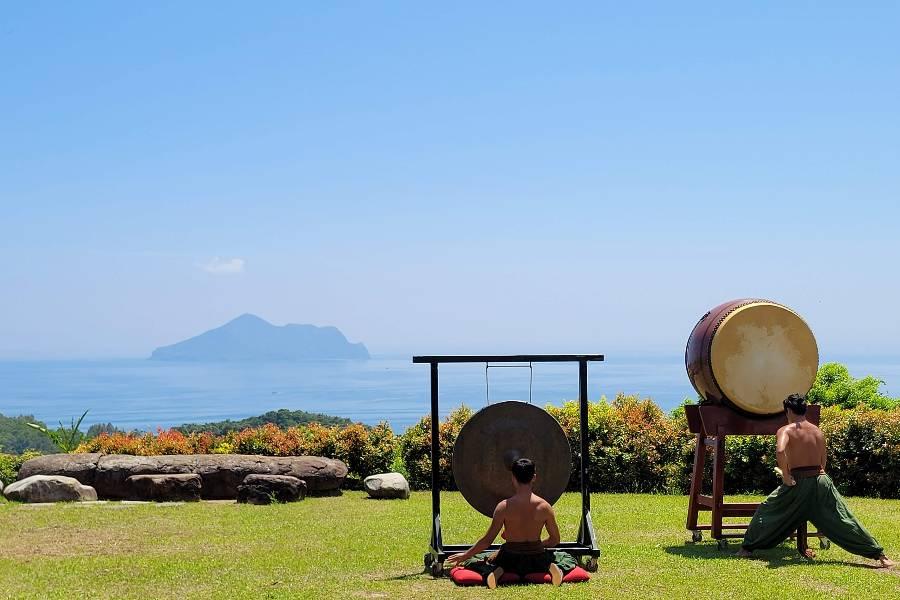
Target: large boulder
x=387 y=485
x=164 y=488
x=221 y=473
x=113 y=471
x=49 y=488
x=264 y=489
x=79 y=466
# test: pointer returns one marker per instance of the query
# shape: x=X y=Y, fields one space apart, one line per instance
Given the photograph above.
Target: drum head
x=497 y=435
x=761 y=353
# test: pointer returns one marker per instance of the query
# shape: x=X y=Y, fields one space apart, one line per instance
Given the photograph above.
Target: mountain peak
x=251 y=338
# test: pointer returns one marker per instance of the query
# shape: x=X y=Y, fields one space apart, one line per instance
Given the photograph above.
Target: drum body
x=751 y=355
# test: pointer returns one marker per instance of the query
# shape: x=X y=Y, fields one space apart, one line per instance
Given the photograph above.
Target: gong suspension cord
x=487 y=380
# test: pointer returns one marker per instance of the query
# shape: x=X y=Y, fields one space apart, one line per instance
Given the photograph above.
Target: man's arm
x=781 y=443
x=486 y=540
x=552 y=529
x=824 y=453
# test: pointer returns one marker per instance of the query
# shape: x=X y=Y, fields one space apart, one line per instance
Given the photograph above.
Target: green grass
x=352 y=547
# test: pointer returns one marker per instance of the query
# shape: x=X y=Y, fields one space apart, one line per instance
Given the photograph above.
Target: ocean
x=144 y=394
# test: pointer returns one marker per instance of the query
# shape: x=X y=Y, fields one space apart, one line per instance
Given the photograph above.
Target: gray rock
x=221 y=473
x=79 y=466
x=164 y=488
x=49 y=488
x=387 y=485
x=113 y=471
x=263 y=489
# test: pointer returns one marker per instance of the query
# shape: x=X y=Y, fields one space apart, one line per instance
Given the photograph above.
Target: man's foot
x=556 y=574
x=744 y=553
x=494 y=577
x=885 y=562
x=808 y=554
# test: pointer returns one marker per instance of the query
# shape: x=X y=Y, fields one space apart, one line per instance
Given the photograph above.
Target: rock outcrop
x=49 y=488
x=183 y=487
x=265 y=489
x=221 y=474
x=387 y=485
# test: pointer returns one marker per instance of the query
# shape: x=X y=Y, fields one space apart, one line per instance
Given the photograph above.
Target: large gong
x=496 y=436
x=751 y=354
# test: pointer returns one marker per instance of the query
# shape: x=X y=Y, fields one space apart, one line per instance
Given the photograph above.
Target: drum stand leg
x=696 y=489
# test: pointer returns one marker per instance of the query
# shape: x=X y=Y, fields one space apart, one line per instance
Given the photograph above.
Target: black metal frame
x=586 y=542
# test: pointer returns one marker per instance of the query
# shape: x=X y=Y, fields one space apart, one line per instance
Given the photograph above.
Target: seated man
x=523 y=518
x=807 y=494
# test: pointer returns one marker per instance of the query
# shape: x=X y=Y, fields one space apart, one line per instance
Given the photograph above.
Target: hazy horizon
x=446 y=179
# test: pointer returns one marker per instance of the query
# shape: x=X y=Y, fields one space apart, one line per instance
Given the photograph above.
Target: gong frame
x=586 y=541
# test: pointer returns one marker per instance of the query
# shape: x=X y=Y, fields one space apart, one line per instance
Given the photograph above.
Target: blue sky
x=511 y=177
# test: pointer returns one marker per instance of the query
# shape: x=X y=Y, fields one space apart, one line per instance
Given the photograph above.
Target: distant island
x=250 y=338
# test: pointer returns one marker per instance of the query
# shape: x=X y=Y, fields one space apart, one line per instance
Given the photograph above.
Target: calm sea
x=143 y=394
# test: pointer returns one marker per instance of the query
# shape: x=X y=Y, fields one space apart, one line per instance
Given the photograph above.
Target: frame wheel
x=824 y=543
x=722 y=544
x=428 y=559
x=437 y=569
x=591 y=565
x=696 y=536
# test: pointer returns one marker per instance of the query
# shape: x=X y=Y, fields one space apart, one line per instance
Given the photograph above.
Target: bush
x=863 y=450
x=11 y=463
x=634 y=446
x=365 y=450
x=415 y=449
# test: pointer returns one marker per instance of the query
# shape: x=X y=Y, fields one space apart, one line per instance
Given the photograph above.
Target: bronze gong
x=497 y=435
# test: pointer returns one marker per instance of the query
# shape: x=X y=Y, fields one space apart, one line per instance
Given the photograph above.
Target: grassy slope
x=353 y=547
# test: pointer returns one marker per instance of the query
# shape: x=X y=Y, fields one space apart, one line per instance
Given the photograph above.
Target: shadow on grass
x=781 y=556
x=405 y=577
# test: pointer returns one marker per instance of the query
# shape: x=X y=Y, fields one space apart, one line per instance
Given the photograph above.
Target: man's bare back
x=524 y=518
x=799 y=444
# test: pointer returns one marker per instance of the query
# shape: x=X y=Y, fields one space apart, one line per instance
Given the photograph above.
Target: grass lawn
x=352 y=547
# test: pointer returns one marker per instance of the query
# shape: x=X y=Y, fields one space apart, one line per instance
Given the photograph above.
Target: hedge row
x=634 y=447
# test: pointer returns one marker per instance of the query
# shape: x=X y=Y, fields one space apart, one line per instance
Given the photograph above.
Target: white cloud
x=224 y=265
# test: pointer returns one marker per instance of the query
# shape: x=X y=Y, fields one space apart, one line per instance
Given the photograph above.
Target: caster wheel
x=722 y=544
x=591 y=565
x=437 y=569
x=428 y=559
x=696 y=536
x=824 y=543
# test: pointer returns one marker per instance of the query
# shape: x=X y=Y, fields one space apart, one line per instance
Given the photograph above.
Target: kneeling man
x=523 y=518
x=807 y=494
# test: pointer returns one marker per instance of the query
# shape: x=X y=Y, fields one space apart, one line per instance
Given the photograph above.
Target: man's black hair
x=523 y=470
x=796 y=404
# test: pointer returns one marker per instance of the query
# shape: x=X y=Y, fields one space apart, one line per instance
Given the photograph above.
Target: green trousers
x=813 y=499
x=520 y=564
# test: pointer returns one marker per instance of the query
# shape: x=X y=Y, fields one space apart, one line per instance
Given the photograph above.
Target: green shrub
x=415 y=449
x=634 y=446
x=11 y=463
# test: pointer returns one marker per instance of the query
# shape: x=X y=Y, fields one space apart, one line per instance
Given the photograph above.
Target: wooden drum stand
x=711 y=424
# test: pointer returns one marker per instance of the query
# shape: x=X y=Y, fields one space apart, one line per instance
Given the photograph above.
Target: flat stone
x=164 y=487
x=264 y=489
x=221 y=473
x=387 y=485
x=49 y=488
x=79 y=466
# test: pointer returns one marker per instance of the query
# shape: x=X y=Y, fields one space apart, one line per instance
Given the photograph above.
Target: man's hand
x=455 y=558
x=788 y=481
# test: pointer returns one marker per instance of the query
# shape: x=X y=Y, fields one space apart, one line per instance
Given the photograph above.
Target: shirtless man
x=807 y=494
x=523 y=518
